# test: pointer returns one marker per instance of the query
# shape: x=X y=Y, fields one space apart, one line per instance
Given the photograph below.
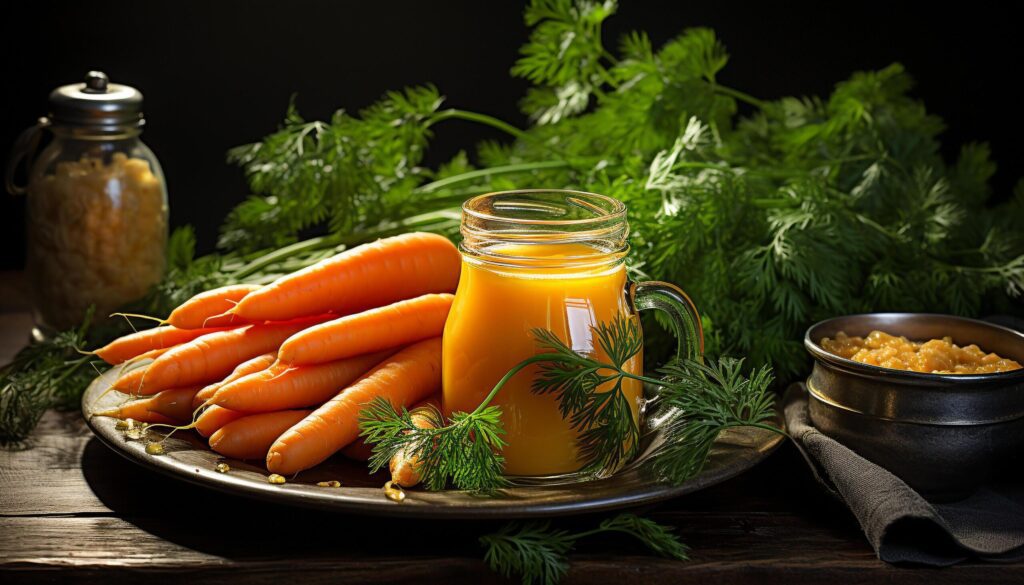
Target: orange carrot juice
x=497 y=305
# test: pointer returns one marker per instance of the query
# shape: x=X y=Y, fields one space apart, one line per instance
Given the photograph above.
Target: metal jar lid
x=97 y=104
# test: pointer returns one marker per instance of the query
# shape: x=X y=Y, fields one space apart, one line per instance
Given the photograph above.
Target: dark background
x=219 y=74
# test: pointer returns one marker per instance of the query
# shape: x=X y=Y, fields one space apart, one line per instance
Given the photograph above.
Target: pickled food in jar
x=97 y=234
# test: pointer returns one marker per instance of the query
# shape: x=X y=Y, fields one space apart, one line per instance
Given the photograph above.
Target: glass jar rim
x=489 y=228
x=617 y=211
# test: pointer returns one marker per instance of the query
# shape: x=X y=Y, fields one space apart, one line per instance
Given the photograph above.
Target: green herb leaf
x=538 y=553
x=46 y=374
x=464 y=453
x=533 y=551
x=700 y=401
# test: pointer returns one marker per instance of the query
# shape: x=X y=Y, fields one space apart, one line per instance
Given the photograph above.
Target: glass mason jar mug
x=554 y=260
x=96 y=209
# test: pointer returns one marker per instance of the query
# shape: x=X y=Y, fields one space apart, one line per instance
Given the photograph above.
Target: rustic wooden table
x=73 y=511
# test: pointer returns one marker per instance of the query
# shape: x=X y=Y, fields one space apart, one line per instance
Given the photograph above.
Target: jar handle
x=24 y=148
x=684 y=320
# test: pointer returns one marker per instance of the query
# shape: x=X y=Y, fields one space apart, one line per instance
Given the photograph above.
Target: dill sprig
x=465 y=452
x=538 y=553
x=697 y=403
x=49 y=373
x=694 y=404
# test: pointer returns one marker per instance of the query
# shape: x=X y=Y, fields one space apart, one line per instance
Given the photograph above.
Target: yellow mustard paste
x=935 y=356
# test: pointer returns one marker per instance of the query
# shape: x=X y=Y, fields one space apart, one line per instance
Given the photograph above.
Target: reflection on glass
x=579 y=315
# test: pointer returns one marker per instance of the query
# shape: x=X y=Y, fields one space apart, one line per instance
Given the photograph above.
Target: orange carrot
x=174 y=404
x=391 y=326
x=211 y=357
x=214 y=418
x=404 y=466
x=136 y=344
x=205 y=309
x=249 y=437
x=256 y=364
x=368 y=276
x=282 y=388
x=405 y=378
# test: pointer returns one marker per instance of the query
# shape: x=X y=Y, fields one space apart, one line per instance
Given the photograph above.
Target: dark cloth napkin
x=899 y=523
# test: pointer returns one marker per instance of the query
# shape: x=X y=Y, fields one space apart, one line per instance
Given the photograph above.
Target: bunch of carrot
x=280 y=372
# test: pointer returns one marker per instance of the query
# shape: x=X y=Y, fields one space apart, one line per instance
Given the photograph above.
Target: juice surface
x=489 y=331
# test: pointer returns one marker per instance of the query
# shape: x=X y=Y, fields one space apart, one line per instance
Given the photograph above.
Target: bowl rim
x=821 y=354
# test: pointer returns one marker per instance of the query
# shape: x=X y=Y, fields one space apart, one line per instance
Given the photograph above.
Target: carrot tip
x=273 y=461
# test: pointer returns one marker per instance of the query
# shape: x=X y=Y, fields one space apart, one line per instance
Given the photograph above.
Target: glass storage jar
x=96 y=209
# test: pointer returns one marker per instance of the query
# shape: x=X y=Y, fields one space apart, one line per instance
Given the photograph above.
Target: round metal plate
x=188 y=457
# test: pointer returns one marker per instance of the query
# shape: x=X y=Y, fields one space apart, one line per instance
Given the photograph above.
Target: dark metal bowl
x=943 y=434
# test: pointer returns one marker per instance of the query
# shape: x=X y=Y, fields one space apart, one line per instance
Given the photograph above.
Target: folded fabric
x=901 y=525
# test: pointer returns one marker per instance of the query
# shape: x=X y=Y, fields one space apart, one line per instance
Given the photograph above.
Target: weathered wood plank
x=79 y=547
x=45 y=475
x=35 y=548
